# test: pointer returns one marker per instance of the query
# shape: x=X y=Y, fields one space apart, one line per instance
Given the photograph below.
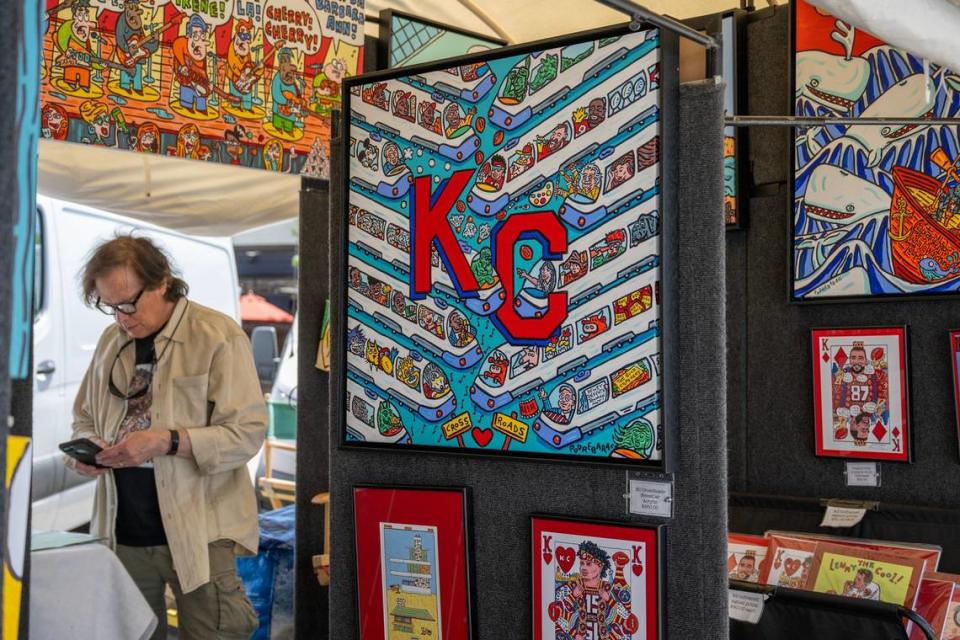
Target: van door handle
x=46 y=368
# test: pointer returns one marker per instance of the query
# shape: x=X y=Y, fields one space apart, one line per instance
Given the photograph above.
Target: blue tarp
x=268 y=576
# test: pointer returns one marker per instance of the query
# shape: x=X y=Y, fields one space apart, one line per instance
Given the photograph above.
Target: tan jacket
x=205 y=383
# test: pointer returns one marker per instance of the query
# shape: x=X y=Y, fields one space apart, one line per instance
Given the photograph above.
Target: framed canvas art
x=414 y=573
x=594 y=579
x=407 y=40
x=789 y=561
x=866 y=575
x=729 y=28
x=746 y=557
x=876 y=208
x=500 y=257
x=955 y=367
x=860 y=393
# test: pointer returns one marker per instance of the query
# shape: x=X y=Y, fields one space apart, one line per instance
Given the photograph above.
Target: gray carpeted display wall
x=505 y=491
x=770 y=387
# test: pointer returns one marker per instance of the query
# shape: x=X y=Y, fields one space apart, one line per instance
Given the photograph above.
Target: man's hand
x=86 y=469
x=136 y=448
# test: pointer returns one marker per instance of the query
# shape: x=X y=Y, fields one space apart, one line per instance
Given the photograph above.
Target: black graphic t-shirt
x=138 y=510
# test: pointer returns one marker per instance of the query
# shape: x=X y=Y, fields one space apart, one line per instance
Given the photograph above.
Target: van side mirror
x=265 y=353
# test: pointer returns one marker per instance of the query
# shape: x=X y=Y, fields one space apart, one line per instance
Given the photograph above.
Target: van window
x=39 y=290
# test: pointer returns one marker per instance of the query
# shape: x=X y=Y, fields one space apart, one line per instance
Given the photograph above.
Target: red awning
x=254 y=308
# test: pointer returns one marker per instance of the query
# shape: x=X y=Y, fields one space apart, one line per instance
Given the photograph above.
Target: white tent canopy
x=215 y=199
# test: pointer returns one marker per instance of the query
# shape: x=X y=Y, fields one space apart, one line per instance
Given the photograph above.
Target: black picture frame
x=712 y=25
x=790 y=109
x=659 y=536
x=385 y=41
x=468 y=547
x=669 y=252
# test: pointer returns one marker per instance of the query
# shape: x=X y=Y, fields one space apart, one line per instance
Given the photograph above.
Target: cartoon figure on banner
x=273 y=155
x=190 y=60
x=147 y=138
x=860 y=389
x=287 y=97
x=583 y=184
x=77 y=58
x=544 y=283
x=492 y=174
x=456 y=123
x=326 y=87
x=862 y=586
x=241 y=73
x=592 y=604
x=562 y=403
x=393 y=160
x=134 y=48
x=589 y=118
x=188 y=142
x=53 y=122
x=100 y=130
x=746 y=568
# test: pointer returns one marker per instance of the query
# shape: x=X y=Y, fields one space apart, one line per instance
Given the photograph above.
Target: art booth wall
x=770 y=377
x=506 y=491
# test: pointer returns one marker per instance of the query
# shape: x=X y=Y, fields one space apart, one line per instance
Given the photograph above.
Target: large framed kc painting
x=502 y=247
x=876 y=208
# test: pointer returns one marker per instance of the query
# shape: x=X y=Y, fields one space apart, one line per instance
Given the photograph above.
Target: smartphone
x=83 y=450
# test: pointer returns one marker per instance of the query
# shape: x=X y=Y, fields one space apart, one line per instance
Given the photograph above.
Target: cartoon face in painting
x=858 y=360
x=557 y=138
x=562 y=403
x=435 y=384
x=197 y=48
x=391 y=157
x=53 y=121
x=335 y=69
x=133 y=15
x=492 y=174
x=242 y=37
x=596 y=112
x=82 y=23
x=590 y=181
x=620 y=171
x=594 y=564
x=460 y=332
x=495 y=372
x=367 y=153
x=745 y=568
x=288 y=69
x=148 y=138
x=861 y=428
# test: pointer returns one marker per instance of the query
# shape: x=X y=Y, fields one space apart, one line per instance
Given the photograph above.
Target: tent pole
x=798 y=121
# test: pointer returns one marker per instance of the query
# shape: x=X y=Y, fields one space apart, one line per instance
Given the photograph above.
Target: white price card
x=746 y=606
x=842 y=516
x=863 y=474
x=651 y=498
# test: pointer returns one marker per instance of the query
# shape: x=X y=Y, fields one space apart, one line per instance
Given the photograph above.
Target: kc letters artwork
x=242 y=82
x=503 y=273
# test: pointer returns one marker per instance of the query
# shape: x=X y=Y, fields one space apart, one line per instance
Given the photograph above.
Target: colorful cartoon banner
x=242 y=82
x=410 y=40
x=504 y=253
x=876 y=207
x=17 y=477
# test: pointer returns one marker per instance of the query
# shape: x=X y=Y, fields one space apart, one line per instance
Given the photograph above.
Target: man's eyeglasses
x=126 y=308
x=244 y=36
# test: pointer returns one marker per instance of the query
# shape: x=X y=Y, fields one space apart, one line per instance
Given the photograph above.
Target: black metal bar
x=639 y=14
x=797 y=121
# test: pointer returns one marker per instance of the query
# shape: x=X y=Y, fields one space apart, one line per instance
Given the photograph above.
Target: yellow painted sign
x=510 y=427
x=456 y=426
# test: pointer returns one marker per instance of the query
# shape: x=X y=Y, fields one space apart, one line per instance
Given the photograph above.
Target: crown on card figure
x=858 y=344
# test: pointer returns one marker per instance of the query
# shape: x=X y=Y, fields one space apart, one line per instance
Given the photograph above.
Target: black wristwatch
x=174 y=443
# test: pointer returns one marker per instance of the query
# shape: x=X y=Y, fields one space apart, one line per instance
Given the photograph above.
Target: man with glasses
x=173 y=398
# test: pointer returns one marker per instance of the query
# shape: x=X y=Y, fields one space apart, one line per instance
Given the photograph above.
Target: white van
x=66 y=331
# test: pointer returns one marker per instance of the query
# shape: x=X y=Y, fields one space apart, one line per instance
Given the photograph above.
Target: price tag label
x=651 y=498
x=746 y=606
x=863 y=474
x=842 y=516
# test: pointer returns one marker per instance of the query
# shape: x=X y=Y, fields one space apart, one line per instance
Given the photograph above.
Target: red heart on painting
x=637 y=569
x=565 y=558
x=547 y=557
x=554 y=611
x=482 y=436
x=791 y=566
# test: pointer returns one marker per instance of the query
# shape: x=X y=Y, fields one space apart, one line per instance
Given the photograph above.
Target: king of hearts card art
x=594 y=581
x=860 y=393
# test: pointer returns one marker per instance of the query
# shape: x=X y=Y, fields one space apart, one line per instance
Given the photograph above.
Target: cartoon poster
x=866 y=575
x=594 y=581
x=876 y=207
x=413 y=40
x=410 y=581
x=790 y=562
x=746 y=557
x=248 y=83
x=504 y=254
x=19 y=466
x=951 y=629
x=860 y=395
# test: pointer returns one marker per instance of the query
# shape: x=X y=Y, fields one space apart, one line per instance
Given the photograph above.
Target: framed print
x=746 y=557
x=790 y=560
x=955 y=366
x=504 y=231
x=729 y=28
x=594 y=579
x=414 y=573
x=407 y=40
x=875 y=208
x=866 y=575
x=860 y=393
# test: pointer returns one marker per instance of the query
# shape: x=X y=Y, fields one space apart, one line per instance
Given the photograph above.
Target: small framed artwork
x=860 y=393
x=595 y=579
x=746 y=557
x=955 y=366
x=414 y=574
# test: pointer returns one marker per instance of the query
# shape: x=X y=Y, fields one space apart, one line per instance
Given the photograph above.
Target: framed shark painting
x=876 y=208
